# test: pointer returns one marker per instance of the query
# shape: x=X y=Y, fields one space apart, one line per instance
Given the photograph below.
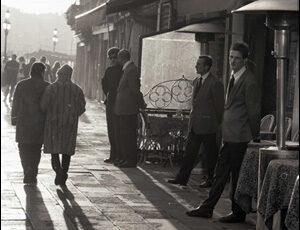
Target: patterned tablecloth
x=277 y=188
x=292 y=217
x=247 y=186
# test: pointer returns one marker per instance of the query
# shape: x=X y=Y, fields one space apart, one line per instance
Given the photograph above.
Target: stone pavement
x=99 y=196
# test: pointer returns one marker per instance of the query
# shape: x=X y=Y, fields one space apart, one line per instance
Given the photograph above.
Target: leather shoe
x=232 y=218
x=205 y=184
x=174 y=181
x=200 y=212
x=108 y=160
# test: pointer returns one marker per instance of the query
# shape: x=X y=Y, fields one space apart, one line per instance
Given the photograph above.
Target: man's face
x=113 y=59
x=236 y=60
x=14 y=57
x=121 y=61
x=201 y=68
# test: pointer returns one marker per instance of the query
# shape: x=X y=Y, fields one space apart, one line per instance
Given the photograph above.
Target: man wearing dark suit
x=110 y=83
x=205 y=118
x=129 y=101
x=241 y=123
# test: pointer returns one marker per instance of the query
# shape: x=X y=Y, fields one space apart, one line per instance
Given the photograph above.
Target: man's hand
x=14 y=121
x=256 y=140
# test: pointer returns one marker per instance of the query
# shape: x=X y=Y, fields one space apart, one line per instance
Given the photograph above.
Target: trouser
x=30 y=155
x=10 y=88
x=128 y=138
x=193 y=144
x=112 y=129
x=230 y=161
x=64 y=165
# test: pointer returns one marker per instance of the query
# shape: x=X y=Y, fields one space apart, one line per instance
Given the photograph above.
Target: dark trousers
x=64 y=165
x=229 y=164
x=30 y=155
x=127 y=138
x=10 y=89
x=193 y=144
x=112 y=129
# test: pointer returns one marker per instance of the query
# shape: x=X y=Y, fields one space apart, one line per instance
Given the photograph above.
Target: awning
x=95 y=16
x=114 y=6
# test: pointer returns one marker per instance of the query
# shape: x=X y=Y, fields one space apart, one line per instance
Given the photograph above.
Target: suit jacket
x=241 y=120
x=207 y=106
x=129 y=97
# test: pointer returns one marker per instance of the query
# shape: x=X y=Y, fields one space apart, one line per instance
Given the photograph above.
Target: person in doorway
x=28 y=67
x=27 y=115
x=63 y=102
x=129 y=101
x=11 y=70
x=55 y=67
x=241 y=123
x=205 y=119
x=110 y=83
x=48 y=72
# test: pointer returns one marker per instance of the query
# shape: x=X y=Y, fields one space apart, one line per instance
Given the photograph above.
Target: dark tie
x=231 y=83
x=198 y=86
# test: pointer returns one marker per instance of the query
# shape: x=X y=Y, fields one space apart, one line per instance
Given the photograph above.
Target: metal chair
x=295 y=137
x=267 y=123
x=288 y=127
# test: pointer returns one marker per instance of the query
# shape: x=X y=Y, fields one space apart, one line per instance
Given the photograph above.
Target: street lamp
x=55 y=38
x=6 y=27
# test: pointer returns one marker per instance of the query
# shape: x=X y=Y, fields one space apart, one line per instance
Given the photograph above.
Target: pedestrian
x=11 y=70
x=241 y=123
x=21 y=69
x=205 y=119
x=110 y=83
x=28 y=67
x=27 y=115
x=3 y=75
x=129 y=101
x=48 y=72
x=55 y=67
x=63 y=102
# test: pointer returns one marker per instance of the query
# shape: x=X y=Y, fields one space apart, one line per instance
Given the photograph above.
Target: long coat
x=129 y=97
x=64 y=102
x=241 y=119
x=26 y=112
x=207 y=107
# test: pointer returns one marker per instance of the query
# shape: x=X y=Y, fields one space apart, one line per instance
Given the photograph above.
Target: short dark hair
x=113 y=51
x=242 y=47
x=43 y=59
x=124 y=54
x=207 y=60
x=37 y=70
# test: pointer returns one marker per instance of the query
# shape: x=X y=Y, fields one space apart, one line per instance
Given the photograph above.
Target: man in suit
x=110 y=83
x=129 y=101
x=241 y=123
x=205 y=118
x=48 y=72
x=11 y=70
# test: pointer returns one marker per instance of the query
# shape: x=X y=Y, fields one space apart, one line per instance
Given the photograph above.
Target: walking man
x=110 y=83
x=205 y=118
x=48 y=73
x=241 y=123
x=30 y=120
x=11 y=70
x=129 y=100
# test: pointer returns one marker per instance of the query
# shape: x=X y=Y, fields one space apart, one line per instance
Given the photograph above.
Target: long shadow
x=72 y=210
x=36 y=209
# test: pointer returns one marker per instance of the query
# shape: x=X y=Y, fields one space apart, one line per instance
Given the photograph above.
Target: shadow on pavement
x=72 y=210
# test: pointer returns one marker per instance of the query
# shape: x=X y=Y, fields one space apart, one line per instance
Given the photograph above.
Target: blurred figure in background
x=21 y=75
x=55 y=67
x=48 y=72
x=11 y=70
x=27 y=115
x=28 y=67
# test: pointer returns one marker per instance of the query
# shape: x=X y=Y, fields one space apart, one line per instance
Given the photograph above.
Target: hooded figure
x=27 y=115
x=63 y=102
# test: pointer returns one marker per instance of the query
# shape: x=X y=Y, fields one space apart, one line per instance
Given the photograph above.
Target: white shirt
x=238 y=74
x=126 y=64
x=203 y=77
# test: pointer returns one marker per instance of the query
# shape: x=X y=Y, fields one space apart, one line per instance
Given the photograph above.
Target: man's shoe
x=199 y=212
x=232 y=218
x=174 y=181
x=64 y=178
x=205 y=184
x=109 y=161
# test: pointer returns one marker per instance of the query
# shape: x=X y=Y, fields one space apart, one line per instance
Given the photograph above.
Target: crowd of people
x=47 y=104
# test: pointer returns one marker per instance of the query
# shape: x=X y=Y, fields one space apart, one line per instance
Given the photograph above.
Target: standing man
x=11 y=70
x=110 y=83
x=205 y=118
x=28 y=67
x=129 y=100
x=30 y=120
x=48 y=72
x=241 y=123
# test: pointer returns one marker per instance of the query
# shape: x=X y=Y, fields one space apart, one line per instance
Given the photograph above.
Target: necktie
x=231 y=83
x=198 y=86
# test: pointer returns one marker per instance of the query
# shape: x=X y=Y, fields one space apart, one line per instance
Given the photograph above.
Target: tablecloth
x=292 y=217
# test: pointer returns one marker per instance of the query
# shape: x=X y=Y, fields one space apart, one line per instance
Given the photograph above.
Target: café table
x=276 y=191
x=292 y=217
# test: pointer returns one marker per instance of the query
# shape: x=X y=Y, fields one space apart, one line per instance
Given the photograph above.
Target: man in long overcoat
x=11 y=70
x=63 y=102
x=27 y=115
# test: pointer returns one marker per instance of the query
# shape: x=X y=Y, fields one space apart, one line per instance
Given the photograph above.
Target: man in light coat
x=241 y=124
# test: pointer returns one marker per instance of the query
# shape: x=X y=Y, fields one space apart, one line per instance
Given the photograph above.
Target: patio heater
x=204 y=33
x=281 y=16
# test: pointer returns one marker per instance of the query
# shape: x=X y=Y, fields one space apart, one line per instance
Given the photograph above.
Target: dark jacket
x=241 y=120
x=63 y=102
x=11 y=70
x=26 y=112
x=207 y=107
x=110 y=83
x=129 y=97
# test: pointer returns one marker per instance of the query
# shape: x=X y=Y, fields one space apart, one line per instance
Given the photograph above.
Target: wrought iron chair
x=288 y=128
x=267 y=123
